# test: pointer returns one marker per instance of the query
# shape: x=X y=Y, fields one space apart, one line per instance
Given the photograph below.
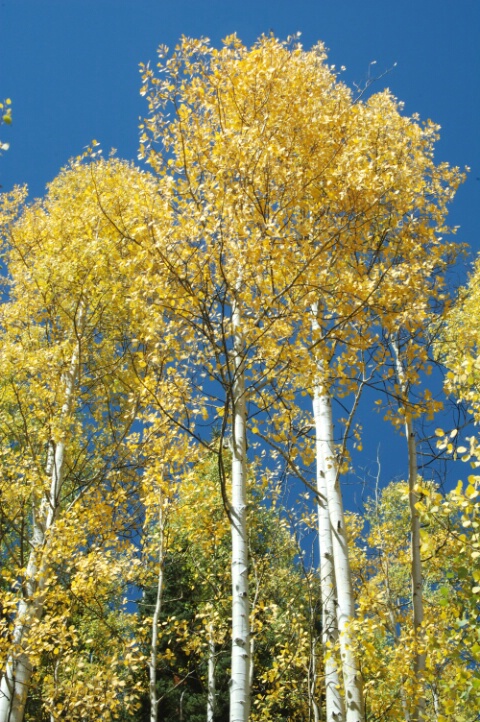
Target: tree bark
x=335 y=710
x=211 y=673
x=239 y=682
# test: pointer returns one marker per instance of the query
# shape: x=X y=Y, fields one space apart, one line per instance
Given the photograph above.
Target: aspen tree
x=69 y=397
x=296 y=195
x=385 y=629
x=157 y=496
x=381 y=302
x=240 y=224
x=404 y=359
x=415 y=542
x=325 y=454
x=169 y=455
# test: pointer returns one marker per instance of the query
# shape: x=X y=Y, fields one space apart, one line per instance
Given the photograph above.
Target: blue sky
x=71 y=70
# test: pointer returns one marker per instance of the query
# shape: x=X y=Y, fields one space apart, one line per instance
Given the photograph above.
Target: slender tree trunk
x=345 y=608
x=211 y=673
x=396 y=638
x=239 y=683
x=417 y=577
x=403 y=694
x=152 y=663
x=335 y=710
x=416 y=560
x=18 y=672
x=391 y=604
x=312 y=682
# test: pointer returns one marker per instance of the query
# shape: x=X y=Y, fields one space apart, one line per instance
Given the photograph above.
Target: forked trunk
x=345 y=602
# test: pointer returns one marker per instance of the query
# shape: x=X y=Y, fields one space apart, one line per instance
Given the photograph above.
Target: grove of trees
x=175 y=345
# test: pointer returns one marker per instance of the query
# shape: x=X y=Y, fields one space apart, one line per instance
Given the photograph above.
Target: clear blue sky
x=71 y=70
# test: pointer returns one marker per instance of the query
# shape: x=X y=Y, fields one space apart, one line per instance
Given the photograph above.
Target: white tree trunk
x=345 y=608
x=211 y=673
x=335 y=710
x=416 y=560
x=152 y=662
x=16 y=679
x=239 y=682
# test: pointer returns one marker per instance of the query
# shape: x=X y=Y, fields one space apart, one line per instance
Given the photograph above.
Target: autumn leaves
x=287 y=230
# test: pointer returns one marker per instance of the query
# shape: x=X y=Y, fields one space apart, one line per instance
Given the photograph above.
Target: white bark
x=335 y=711
x=16 y=679
x=211 y=673
x=152 y=663
x=345 y=608
x=416 y=560
x=436 y=703
x=239 y=682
